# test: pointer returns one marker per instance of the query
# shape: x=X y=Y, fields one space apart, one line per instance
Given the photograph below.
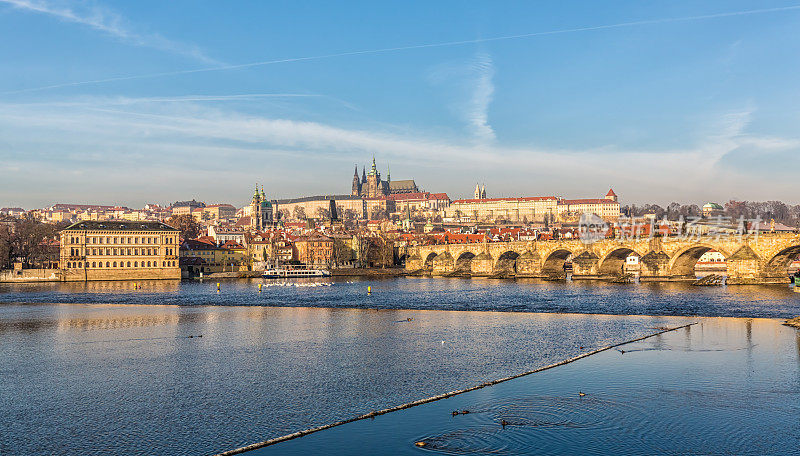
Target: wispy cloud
x=482 y=95
x=154 y=144
x=468 y=88
x=109 y=22
x=409 y=47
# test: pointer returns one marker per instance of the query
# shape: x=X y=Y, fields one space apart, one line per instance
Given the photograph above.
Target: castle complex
x=371 y=186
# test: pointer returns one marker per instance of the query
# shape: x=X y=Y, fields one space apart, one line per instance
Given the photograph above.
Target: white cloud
x=173 y=148
x=482 y=95
x=107 y=21
x=469 y=90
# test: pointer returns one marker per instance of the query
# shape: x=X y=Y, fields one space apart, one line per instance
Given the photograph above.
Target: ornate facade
x=371 y=186
x=115 y=250
x=260 y=211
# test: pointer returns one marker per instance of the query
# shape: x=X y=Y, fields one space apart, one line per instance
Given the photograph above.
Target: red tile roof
x=611 y=192
x=587 y=201
x=207 y=240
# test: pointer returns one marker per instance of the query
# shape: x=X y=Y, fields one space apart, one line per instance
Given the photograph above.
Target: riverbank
x=368 y=272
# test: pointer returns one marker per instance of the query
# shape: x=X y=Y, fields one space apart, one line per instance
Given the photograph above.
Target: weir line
x=375 y=413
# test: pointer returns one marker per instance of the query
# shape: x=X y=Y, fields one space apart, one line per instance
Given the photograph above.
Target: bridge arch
x=554 y=263
x=684 y=261
x=614 y=261
x=464 y=262
x=429 y=260
x=779 y=262
x=402 y=259
x=507 y=262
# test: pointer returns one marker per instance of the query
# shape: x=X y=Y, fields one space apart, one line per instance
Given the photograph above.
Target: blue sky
x=152 y=101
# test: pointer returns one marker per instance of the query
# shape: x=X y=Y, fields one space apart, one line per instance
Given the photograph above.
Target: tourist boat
x=283 y=273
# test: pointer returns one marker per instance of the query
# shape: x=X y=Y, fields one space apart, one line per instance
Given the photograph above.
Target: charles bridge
x=760 y=258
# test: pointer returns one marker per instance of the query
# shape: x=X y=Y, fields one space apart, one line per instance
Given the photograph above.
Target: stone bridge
x=750 y=259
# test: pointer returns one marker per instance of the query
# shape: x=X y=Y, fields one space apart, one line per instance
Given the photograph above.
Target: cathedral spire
x=388 y=174
x=363 y=174
x=374 y=170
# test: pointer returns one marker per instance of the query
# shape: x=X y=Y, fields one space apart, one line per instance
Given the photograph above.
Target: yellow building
x=219 y=211
x=532 y=208
x=607 y=208
x=119 y=250
x=315 y=206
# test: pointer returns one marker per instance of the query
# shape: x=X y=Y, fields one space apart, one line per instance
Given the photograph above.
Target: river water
x=181 y=368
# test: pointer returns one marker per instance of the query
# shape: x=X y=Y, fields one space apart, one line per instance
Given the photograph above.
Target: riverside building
x=114 y=250
x=532 y=208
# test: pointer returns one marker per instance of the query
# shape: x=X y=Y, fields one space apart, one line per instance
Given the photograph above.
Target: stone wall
x=80 y=275
x=30 y=275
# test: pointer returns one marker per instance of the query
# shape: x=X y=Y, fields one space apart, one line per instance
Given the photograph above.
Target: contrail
x=411 y=47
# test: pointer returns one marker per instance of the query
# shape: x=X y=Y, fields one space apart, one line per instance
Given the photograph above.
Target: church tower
x=477 y=191
x=373 y=182
x=266 y=211
x=356 y=184
x=255 y=210
x=483 y=192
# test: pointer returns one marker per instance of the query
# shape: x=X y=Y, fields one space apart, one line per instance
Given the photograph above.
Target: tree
x=299 y=213
x=186 y=224
x=323 y=213
x=384 y=251
x=348 y=214
x=341 y=252
x=30 y=241
x=378 y=213
x=5 y=246
x=364 y=247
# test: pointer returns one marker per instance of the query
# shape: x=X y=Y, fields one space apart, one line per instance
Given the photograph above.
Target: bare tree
x=341 y=252
x=186 y=224
x=323 y=213
x=363 y=247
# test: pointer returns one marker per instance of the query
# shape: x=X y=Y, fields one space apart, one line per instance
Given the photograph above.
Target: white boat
x=283 y=273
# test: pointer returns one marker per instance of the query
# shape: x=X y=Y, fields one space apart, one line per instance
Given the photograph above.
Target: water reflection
x=102 y=376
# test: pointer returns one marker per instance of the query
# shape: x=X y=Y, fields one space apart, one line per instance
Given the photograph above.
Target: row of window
x=119 y=240
x=77 y=251
x=122 y=264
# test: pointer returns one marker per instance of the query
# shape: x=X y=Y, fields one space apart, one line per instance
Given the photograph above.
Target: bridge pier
x=414 y=263
x=654 y=266
x=443 y=264
x=529 y=264
x=482 y=265
x=585 y=265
